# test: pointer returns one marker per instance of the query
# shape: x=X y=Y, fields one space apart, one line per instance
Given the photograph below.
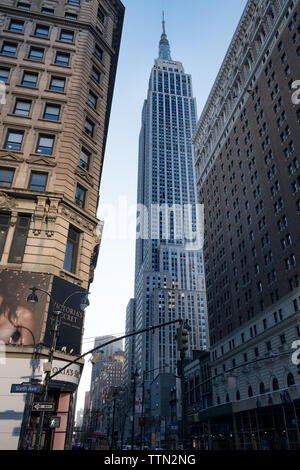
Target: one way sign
x=43 y=406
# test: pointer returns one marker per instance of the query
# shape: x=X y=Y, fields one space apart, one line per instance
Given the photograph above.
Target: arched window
x=261 y=387
x=227 y=398
x=238 y=395
x=290 y=379
x=250 y=391
x=275 y=384
x=218 y=401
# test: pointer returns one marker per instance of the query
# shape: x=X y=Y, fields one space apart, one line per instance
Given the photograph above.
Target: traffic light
x=96 y=357
x=182 y=339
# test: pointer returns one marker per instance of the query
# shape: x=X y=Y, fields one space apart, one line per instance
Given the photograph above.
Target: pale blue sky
x=199 y=32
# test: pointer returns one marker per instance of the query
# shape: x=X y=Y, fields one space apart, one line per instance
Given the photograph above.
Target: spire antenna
x=163 y=22
x=164 y=47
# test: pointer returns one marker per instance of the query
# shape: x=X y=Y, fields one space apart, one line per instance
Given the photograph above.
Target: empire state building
x=169 y=269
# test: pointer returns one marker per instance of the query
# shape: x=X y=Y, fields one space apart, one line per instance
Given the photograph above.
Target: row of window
x=69 y=15
x=41 y=31
x=38 y=53
x=17 y=249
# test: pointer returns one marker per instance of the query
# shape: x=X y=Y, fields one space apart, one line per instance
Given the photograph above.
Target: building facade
x=169 y=275
x=247 y=165
x=57 y=71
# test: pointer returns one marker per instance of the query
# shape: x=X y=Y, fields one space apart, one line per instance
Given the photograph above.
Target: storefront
x=266 y=422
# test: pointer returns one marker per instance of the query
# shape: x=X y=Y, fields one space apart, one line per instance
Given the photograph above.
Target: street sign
x=25 y=387
x=43 y=406
x=54 y=422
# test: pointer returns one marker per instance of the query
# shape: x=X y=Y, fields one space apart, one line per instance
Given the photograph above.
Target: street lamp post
x=134 y=377
x=32 y=298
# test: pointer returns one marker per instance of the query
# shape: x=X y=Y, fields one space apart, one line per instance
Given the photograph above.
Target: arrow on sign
x=43 y=406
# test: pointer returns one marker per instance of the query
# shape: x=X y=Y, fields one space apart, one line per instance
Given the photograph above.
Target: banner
x=21 y=322
x=71 y=317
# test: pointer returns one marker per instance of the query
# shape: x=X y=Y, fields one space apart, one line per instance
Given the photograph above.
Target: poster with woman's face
x=21 y=322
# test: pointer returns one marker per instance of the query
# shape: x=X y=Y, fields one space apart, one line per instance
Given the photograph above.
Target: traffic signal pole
x=182 y=346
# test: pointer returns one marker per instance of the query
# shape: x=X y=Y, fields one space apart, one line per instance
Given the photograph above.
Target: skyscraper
x=247 y=162
x=169 y=279
x=58 y=67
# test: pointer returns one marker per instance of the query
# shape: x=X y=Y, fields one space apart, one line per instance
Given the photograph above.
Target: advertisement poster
x=71 y=317
x=21 y=322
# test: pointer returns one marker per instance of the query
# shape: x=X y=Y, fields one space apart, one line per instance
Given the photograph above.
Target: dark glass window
x=16 y=26
x=41 y=31
x=71 y=16
x=84 y=159
x=71 y=250
x=4 y=225
x=9 y=48
x=19 y=241
x=89 y=127
x=36 y=53
x=38 y=181
x=29 y=79
x=57 y=84
x=45 y=144
x=101 y=15
x=62 y=58
x=25 y=6
x=92 y=99
x=6 y=177
x=98 y=52
x=4 y=74
x=48 y=11
x=96 y=74
x=80 y=196
x=52 y=112
x=74 y=2
x=14 y=140
x=22 y=107
x=67 y=36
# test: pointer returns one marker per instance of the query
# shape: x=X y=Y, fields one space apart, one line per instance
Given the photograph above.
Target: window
x=38 y=181
x=67 y=36
x=71 y=250
x=101 y=15
x=57 y=84
x=80 y=196
x=9 y=48
x=45 y=144
x=29 y=79
x=22 y=107
x=89 y=127
x=52 y=112
x=4 y=225
x=14 y=140
x=23 y=5
x=74 y=2
x=62 y=58
x=4 y=74
x=84 y=161
x=41 y=31
x=19 y=241
x=6 y=177
x=48 y=11
x=70 y=16
x=98 y=52
x=92 y=99
x=36 y=53
x=16 y=26
x=96 y=74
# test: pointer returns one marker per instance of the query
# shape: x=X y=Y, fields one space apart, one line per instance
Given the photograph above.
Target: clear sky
x=199 y=32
